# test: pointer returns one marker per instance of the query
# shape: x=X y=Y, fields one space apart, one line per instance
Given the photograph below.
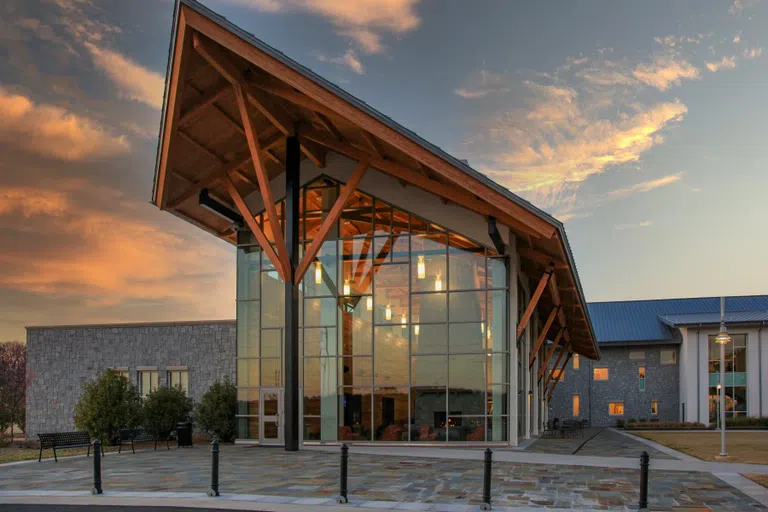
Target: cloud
x=643 y=224
x=739 y=6
x=665 y=71
x=481 y=84
x=29 y=201
x=361 y=20
x=753 y=53
x=54 y=131
x=349 y=60
x=645 y=186
x=724 y=63
x=133 y=81
x=737 y=39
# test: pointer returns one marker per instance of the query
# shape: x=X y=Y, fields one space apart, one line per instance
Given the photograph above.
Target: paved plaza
x=380 y=478
x=597 y=442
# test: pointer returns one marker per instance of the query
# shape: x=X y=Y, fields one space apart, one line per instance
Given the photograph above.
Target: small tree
x=216 y=411
x=108 y=404
x=165 y=407
x=13 y=384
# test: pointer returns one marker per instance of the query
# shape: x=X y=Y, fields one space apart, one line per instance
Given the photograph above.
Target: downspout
x=698 y=375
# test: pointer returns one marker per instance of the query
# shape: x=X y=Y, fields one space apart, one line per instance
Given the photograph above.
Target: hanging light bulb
x=438 y=283
x=489 y=333
x=318 y=272
x=482 y=327
x=403 y=320
x=421 y=268
x=369 y=303
x=388 y=312
x=346 y=287
x=416 y=329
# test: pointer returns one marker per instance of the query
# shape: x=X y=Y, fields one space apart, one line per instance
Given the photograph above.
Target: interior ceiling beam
x=413 y=177
x=551 y=352
x=330 y=220
x=534 y=301
x=542 y=335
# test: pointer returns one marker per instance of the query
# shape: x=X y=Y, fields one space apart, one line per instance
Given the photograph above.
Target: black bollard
x=487 y=479
x=644 y=463
x=343 y=484
x=214 y=490
x=96 y=468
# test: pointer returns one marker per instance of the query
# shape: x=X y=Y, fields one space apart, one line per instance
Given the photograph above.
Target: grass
x=15 y=454
x=758 y=479
x=747 y=447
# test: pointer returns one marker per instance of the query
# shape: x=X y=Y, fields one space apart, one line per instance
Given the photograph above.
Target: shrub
x=216 y=412
x=665 y=425
x=746 y=422
x=163 y=408
x=631 y=420
x=619 y=423
x=107 y=404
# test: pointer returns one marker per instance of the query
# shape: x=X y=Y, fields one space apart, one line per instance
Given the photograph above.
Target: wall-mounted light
x=421 y=268
x=318 y=272
x=369 y=303
x=403 y=320
x=388 y=312
x=346 y=288
x=438 y=283
x=482 y=327
x=416 y=329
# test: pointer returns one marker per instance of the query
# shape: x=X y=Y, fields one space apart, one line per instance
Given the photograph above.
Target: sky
x=640 y=125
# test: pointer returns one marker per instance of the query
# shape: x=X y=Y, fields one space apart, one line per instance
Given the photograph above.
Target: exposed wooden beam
x=372 y=144
x=562 y=369
x=563 y=351
x=220 y=172
x=205 y=100
x=541 y=257
x=328 y=125
x=250 y=219
x=543 y=335
x=330 y=220
x=551 y=352
x=450 y=192
x=534 y=302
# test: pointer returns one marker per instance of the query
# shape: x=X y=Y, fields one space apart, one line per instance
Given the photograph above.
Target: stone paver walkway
x=597 y=442
x=314 y=474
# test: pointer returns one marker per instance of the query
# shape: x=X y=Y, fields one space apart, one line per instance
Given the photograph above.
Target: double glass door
x=272 y=417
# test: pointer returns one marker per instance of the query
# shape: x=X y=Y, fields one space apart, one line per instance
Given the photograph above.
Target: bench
x=64 y=440
x=573 y=427
x=138 y=435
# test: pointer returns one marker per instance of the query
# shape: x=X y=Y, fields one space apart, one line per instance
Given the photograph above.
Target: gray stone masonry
x=662 y=384
x=61 y=359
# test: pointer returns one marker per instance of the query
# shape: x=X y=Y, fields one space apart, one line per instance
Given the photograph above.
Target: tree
x=216 y=411
x=13 y=384
x=165 y=407
x=108 y=404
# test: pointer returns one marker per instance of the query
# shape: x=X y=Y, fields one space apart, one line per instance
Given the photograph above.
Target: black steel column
x=291 y=427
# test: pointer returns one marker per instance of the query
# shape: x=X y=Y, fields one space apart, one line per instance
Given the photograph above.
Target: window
x=669 y=356
x=616 y=408
x=576 y=405
x=654 y=408
x=575 y=361
x=600 y=373
x=179 y=378
x=641 y=376
x=557 y=374
x=637 y=354
x=147 y=380
x=735 y=376
x=123 y=372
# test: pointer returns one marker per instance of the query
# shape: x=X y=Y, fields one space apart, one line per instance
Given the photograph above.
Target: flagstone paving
x=599 y=442
x=272 y=471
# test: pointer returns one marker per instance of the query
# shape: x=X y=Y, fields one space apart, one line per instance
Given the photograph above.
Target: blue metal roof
x=734 y=317
x=640 y=320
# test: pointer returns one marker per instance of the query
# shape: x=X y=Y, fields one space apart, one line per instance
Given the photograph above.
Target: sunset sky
x=643 y=126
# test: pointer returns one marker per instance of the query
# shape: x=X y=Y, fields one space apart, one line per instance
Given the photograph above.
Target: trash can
x=184 y=434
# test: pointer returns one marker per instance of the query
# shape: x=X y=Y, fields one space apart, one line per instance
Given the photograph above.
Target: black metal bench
x=139 y=435
x=63 y=440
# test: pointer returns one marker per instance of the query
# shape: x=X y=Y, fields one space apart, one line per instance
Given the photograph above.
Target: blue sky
x=641 y=125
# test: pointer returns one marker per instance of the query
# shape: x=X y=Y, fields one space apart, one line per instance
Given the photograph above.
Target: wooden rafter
x=562 y=369
x=563 y=351
x=414 y=177
x=534 y=302
x=328 y=125
x=217 y=174
x=541 y=257
x=330 y=220
x=206 y=99
x=371 y=142
x=542 y=335
x=250 y=219
x=551 y=352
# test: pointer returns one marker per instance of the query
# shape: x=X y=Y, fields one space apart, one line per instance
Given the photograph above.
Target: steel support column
x=291 y=397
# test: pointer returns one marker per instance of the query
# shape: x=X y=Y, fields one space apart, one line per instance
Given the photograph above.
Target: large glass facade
x=403 y=327
x=735 y=376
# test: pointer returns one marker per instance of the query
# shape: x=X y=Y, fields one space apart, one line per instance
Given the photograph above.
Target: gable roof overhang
x=223 y=86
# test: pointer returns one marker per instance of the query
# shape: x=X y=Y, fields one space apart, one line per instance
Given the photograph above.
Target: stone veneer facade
x=662 y=384
x=61 y=359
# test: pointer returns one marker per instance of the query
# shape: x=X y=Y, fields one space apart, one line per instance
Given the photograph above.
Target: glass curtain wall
x=404 y=329
x=735 y=376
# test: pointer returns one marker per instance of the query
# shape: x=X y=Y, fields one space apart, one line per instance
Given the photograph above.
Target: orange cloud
x=30 y=201
x=724 y=63
x=645 y=186
x=133 y=81
x=53 y=131
x=665 y=71
x=349 y=60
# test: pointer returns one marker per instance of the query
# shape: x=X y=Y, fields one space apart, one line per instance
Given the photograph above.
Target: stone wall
x=662 y=384
x=61 y=359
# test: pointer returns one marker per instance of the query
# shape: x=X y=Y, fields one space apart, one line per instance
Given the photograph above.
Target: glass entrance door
x=271 y=412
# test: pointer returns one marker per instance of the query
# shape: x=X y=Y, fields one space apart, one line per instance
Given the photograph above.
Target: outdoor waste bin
x=184 y=434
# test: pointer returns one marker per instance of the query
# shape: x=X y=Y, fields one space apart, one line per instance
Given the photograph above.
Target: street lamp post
x=723 y=339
